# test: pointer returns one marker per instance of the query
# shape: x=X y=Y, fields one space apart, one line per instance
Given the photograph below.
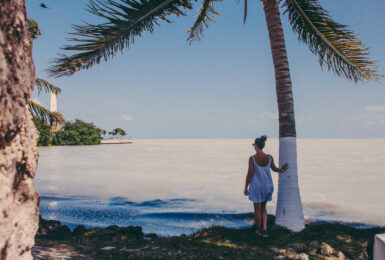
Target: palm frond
x=206 y=15
x=46 y=86
x=245 y=13
x=125 y=20
x=337 y=47
x=44 y=114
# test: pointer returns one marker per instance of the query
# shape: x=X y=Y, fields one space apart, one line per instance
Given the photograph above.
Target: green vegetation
x=117 y=132
x=322 y=241
x=38 y=111
x=77 y=133
x=73 y=133
x=45 y=137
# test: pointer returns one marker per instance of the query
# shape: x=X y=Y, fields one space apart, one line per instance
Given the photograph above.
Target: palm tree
x=36 y=109
x=336 y=46
x=117 y=132
x=40 y=111
x=18 y=136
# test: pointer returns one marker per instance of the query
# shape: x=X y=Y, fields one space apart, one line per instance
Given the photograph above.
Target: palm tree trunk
x=289 y=208
x=18 y=152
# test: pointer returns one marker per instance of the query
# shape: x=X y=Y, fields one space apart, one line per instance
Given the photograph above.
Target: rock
x=325 y=250
x=341 y=256
x=280 y=257
x=314 y=244
x=131 y=231
x=79 y=230
x=48 y=224
x=301 y=256
x=60 y=233
x=107 y=248
x=297 y=246
x=151 y=235
x=131 y=250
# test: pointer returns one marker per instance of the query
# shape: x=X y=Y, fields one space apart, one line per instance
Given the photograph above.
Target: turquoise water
x=174 y=186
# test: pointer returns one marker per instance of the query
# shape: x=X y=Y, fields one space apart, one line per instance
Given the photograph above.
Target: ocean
x=175 y=186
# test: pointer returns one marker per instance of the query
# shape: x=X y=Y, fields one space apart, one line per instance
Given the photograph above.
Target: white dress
x=261 y=185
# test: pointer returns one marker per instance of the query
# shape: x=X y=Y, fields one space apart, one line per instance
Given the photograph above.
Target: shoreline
x=317 y=241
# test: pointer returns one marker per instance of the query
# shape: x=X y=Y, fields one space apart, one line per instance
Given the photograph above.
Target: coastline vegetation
x=321 y=241
x=77 y=132
x=72 y=133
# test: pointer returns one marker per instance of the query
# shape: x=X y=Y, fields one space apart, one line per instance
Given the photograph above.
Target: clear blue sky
x=221 y=87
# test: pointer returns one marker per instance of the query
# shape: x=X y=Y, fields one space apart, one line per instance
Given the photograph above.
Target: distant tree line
x=73 y=133
x=77 y=132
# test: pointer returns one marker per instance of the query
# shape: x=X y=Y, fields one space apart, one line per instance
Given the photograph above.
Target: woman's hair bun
x=260 y=141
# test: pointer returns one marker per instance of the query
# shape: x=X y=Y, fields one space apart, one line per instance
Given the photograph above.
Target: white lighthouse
x=53 y=106
x=55 y=126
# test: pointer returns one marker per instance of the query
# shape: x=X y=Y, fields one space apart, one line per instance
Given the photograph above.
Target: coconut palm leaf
x=46 y=86
x=206 y=15
x=125 y=20
x=44 y=114
x=337 y=47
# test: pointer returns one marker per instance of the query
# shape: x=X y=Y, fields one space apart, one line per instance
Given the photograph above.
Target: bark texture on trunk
x=289 y=208
x=281 y=67
x=18 y=152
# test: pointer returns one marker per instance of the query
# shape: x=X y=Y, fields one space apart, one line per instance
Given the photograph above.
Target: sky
x=220 y=87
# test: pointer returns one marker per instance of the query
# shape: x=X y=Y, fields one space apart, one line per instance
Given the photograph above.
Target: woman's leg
x=258 y=217
x=264 y=215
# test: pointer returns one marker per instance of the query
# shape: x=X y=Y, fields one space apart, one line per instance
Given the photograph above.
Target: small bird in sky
x=43 y=5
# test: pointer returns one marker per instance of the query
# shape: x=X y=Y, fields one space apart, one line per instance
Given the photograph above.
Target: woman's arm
x=284 y=167
x=249 y=176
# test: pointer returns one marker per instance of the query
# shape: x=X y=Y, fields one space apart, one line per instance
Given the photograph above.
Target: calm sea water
x=174 y=186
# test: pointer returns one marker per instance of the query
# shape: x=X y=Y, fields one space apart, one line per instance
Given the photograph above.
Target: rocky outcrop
x=18 y=136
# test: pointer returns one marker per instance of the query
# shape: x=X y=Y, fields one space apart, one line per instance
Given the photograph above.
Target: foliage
x=125 y=20
x=216 y=242
x=337 y=47
x=77 y=133
x=48 y=87
x=45 y=136
x=33 y=28
x=117 y=132
x=40 y=112
x=206 y=15
x=37 y=110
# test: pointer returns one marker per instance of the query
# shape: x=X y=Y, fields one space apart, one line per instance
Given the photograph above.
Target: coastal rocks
x=55 y=253
x=106 y=248
x=116 y=242
x=297 y=246
x=79 y=230
x=325 y=250
x=314 y=244
x=341 y=256
x=53 y=229
x=301 y=256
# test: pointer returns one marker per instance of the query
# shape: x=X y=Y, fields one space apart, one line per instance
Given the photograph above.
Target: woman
x=261 y=185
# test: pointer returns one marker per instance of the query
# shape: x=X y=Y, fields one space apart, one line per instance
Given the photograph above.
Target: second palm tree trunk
x=289 y=208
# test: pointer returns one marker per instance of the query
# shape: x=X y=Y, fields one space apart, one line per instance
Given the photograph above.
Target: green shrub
x=45 y=136
x=77 y=133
